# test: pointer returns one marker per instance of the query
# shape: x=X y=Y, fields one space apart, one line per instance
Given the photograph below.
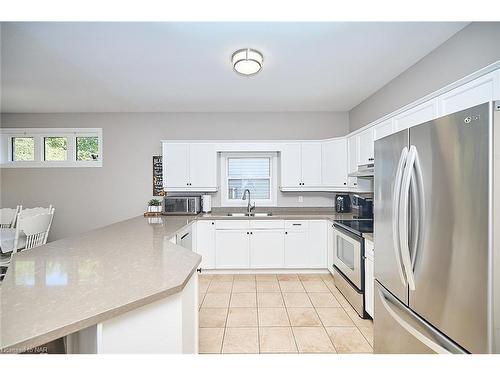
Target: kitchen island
x=123 y=288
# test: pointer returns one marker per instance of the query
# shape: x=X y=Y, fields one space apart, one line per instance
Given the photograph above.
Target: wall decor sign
x=158 y=176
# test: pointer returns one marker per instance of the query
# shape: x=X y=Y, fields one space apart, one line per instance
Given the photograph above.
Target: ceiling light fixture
x=247 y=61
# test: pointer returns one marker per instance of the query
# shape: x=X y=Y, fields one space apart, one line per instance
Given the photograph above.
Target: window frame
x=224 y=179
x=39 y=135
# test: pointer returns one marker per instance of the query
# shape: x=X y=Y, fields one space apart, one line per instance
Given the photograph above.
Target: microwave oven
x=181 y=205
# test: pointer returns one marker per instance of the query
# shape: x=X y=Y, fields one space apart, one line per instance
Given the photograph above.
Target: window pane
x=87 y=148
x=259 y=189
x=56 y=148
x=248 y=167
x=23 y=149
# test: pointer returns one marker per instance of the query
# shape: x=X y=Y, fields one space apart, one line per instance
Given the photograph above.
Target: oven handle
x=395 y=213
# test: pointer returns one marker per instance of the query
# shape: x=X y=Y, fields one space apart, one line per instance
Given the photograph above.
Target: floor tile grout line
x=288 y=316
x=227 y=315
x=343 y=308
x=258 y=323
x=319 y=317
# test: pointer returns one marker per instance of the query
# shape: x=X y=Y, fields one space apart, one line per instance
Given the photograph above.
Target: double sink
x=251 y=214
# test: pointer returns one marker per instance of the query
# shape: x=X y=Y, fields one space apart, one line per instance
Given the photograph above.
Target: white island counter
x=123 y=288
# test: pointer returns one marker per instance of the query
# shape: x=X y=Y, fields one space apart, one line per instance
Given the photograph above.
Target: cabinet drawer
x=296 y=224
x=267 y=224
x=232 y=224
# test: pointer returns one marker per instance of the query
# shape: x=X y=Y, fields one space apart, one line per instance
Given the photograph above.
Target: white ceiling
x=184 y=67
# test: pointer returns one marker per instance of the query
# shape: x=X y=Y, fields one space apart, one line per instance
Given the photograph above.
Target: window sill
x=52 y=164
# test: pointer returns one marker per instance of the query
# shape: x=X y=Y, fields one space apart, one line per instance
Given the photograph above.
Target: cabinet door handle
x=248 y=232
x=371 y=159
x=251 y=232
x=187 y=234
x=286 y=232
x=296 y=225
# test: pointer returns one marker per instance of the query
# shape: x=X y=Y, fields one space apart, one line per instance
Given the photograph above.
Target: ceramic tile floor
x=284 y=313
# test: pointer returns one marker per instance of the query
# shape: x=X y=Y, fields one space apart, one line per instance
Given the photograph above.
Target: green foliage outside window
x=56 y=148
x=23 y=149
x=87 y=148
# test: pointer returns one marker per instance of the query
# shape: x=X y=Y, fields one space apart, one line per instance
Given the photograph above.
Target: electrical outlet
x=301 y=199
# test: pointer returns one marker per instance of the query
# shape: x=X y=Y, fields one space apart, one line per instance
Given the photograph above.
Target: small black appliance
x=343 y=203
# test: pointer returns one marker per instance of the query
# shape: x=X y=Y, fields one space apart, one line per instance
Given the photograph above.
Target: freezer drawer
x=399 y=330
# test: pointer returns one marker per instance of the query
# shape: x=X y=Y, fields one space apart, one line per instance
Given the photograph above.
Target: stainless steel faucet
x=249 y=206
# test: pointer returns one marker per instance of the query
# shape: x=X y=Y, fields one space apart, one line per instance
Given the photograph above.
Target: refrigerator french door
x=434 y=262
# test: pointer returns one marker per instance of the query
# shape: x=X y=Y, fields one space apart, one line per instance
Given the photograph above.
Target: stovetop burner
x=358 y=227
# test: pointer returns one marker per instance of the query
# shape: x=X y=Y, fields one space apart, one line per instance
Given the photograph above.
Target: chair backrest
x=8 y=216
x=36 y=228
x=35 y=211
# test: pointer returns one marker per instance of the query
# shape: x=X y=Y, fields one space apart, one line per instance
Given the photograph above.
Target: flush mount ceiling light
x=247 y=61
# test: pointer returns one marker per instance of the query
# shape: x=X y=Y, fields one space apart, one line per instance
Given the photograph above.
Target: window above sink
x=256 y=172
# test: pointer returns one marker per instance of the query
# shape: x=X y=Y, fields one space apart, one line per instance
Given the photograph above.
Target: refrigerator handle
x=417 y=328
x=403 y=217
x=420 y=208
x=395 y=212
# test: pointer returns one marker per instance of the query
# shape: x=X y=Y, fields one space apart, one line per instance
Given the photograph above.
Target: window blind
x=250 y=173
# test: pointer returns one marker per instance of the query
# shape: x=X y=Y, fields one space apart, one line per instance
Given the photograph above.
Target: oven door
x=347 y=256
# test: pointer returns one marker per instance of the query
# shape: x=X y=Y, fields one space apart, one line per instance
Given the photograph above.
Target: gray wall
x=472 y=48
x=87 y=198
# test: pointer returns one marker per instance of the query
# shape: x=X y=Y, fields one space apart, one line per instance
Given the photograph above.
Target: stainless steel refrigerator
x=437 y=258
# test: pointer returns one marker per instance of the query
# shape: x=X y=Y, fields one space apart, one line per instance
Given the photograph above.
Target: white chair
x=36 y=231
x=35 y=211
x=8 y=216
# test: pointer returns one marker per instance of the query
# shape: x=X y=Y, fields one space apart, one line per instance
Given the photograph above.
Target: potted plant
x=154 y=205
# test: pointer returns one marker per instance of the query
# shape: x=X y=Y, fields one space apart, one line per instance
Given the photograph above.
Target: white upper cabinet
x=291 y=165
x=383 y=129
x=334 y=163
x=417 y=115
x=202 y=165
x=480 y=90
x=365 y=146
x=311 y=164
x=189 y=167
x=175 y=165
x=352 y=159
x=314 y=166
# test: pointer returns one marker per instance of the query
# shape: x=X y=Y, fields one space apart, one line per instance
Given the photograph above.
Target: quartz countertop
x=74 y=283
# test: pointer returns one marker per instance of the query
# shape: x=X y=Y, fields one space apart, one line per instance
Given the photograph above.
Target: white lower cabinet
x=296 y=247
x=369 y=277
x=267 y=248
x=261 y=244
x=317 y=244
x=331 y=247
x=232 y=248
x=205 y=243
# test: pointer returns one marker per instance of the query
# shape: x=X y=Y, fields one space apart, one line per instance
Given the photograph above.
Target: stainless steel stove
x=349 y=254
x=356 y=226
